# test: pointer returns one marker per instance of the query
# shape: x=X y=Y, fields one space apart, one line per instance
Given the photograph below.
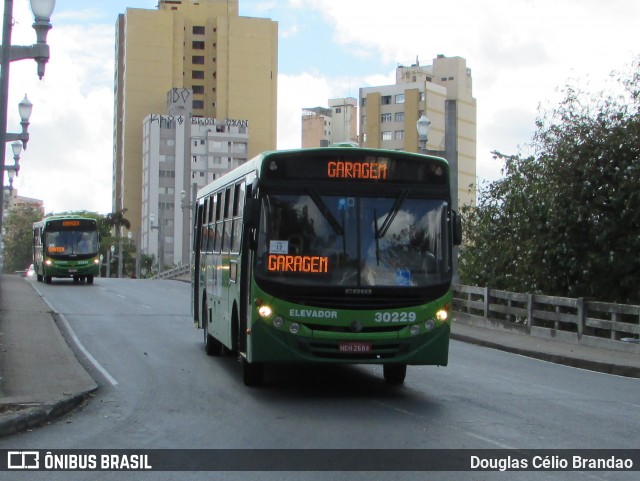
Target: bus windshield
x=352 y=241
x=71 y=243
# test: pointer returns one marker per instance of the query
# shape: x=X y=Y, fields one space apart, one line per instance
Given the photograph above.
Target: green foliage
x=565 y=221
x=18 y=244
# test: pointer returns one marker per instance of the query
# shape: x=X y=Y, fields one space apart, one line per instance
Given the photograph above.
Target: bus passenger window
x=210 y=238
x=226 y=245
x=237 y=232
x=218 y=238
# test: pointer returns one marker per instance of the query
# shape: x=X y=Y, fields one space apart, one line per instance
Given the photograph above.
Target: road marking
x=77 y=342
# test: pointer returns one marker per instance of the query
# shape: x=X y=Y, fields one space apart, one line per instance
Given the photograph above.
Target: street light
x=160 y=241
x=42 y=10
x=424 y=126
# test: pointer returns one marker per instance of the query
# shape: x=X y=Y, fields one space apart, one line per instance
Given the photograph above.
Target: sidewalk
x=41 y=379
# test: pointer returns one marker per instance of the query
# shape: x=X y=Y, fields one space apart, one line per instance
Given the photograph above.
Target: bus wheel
x=252 y=373
x=39 y=277
x=89 y=279
x=76 y=280
x=47 y=279
x=212 y=346
x=394 y=373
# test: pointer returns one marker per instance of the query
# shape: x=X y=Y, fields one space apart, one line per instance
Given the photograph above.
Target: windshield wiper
x=325 y=211
x=380 y=233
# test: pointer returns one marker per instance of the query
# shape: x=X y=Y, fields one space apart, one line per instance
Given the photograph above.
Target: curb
x=597 y=366
x=24 y=418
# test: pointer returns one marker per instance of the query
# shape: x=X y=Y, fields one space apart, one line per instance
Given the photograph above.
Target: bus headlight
x=294 y=328
x=96 y=261
x=442 y=315
x=48 y=262
x=429 y=324
x=414 y=330
x=265 y=311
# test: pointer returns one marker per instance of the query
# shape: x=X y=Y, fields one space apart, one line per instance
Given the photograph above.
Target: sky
x=520 y=52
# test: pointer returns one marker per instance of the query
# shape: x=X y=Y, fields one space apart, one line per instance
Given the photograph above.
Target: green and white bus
x=331 y=255
x=66 y=246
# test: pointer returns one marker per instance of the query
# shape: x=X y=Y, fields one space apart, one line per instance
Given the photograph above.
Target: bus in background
x=66 y=246
x=331 y=255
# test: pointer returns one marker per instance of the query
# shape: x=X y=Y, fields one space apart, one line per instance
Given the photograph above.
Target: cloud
x=68 y=161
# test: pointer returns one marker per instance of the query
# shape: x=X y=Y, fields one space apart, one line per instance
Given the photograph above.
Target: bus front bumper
x=270 y=345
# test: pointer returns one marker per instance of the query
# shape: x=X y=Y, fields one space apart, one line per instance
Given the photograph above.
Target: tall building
x=181 y=154
x=389 y=114
x=323 y=126
x=228 y=62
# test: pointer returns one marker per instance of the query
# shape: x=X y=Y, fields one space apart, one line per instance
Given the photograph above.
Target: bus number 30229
x=395 y=316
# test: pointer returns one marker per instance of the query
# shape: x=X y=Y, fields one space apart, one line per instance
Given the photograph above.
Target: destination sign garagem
x=357 y=170
x=358 y=167
x=306 y=264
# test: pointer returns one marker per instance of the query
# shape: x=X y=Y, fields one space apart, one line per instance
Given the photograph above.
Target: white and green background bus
x=332 y=255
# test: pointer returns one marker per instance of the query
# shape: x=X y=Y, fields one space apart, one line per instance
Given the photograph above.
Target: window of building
x=387 y=135
x=197 y=30
x=338 y=110
x=385 y=118
x=197 y=59
x=197 y=74
x=198 y=89
x=399 y=134
x=385 y=100
x=399 y=117
x=198 y=104
x=400 y=98
x=197 y=45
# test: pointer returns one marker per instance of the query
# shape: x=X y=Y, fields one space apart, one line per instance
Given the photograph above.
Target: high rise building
x=443 y=93
x=323 y=126
x=228 y=62
x=181 y=154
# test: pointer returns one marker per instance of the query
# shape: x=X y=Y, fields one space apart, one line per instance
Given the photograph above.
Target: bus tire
x=39 y=277
x=394 y=373
x=47 y=279
x=89 y=279
x=212 y=346
x=252 y=373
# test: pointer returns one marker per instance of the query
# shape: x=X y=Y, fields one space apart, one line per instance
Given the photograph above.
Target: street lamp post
x=160 y=242
x=450 y=153
x=187 y=210
x=42 y=10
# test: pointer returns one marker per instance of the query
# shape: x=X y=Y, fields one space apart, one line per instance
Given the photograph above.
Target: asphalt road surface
x=158 y=389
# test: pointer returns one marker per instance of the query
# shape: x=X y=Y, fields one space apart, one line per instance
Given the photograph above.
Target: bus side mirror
x=457 y=228
x=251 y=213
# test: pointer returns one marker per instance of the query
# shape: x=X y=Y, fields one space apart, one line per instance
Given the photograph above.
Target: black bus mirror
x=251 y=213
x=457 y=228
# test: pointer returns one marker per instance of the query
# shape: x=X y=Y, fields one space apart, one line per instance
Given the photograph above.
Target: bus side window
x=228 y=209
x=203 y=224
x=210 y=237
x=197 y=229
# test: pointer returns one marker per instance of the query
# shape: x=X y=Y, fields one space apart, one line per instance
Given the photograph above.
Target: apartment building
x=182 y=154
x=443 y=93
x=323 y=126
x=227 y=62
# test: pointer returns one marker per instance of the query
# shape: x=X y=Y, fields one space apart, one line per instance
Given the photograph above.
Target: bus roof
x=256 y=164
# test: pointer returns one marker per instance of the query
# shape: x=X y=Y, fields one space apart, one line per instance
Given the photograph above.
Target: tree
x=18 y=240
x=564 y=221
x=117 y=220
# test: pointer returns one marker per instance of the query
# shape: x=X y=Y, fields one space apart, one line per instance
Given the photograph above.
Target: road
x=158 y=389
